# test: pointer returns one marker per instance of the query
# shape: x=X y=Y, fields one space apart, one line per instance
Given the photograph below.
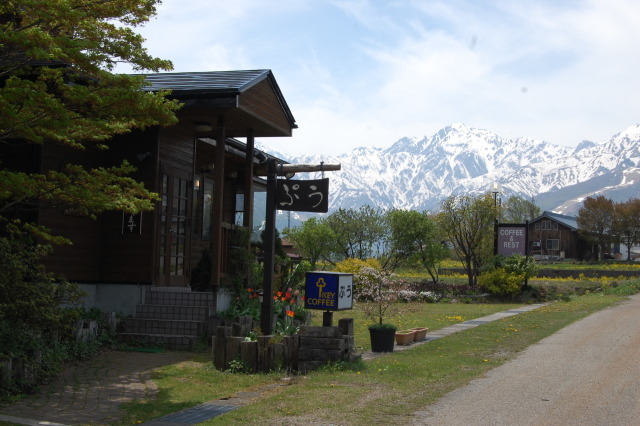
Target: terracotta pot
x=420 y=333
x=405 y=337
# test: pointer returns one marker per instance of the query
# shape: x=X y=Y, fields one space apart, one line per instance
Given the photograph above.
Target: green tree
x=596 y=222
x=57 y=87
x=518 y=210
x=627 y=223
x=358 y=231
x=414 y=238
x=468 y=223
x=313 y=239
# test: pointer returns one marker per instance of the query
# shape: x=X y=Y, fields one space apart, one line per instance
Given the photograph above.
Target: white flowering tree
x=379 y=293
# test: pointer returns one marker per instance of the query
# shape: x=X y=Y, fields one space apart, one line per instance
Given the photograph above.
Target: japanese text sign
x=131 y=223
x=512 y=239
x=330 y=291
x=303 y=195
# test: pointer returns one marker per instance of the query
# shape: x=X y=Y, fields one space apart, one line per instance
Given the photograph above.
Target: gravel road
x=586 y=374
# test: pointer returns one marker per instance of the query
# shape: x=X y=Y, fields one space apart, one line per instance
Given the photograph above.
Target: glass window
x=207 y=204
x=553 y=244
x=239 y=216
x=196 y=208
x=259 y=212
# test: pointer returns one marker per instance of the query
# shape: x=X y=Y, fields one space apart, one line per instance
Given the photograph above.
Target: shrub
x=36 y=329
x=352 y=266
x=500 y=282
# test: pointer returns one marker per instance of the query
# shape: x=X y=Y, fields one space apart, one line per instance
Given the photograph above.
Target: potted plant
x=379 y=292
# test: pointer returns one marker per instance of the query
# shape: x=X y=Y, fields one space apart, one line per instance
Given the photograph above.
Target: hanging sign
x=303 y=195
x=131 y=223
x=511 y=239
x=328 y=291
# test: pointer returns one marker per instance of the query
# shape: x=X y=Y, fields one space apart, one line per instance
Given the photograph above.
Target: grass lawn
x=385 y=390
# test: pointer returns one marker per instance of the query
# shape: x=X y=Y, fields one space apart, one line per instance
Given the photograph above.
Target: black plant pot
x=382 y=339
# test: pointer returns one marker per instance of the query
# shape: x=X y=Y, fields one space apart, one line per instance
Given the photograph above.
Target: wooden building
x=206 y=178
x=554 y=236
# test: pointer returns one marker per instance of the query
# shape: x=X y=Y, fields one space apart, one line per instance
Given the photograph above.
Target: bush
x=500 y=282
x=35 y=325
x=353 y=266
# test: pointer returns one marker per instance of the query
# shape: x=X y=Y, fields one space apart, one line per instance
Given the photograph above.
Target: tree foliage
x=357 y=231
x=57 y=87
x=519 y=210
x=314 y=239
x=596 y=222
x=468 y=223
x=413 y=239
x=627 y=223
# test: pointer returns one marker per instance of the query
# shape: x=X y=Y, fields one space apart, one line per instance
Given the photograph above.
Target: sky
x=369 y=72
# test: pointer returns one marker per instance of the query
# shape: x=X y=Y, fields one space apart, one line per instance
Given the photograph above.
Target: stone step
x=173 y=312
x=166 y=341
x=161 y=326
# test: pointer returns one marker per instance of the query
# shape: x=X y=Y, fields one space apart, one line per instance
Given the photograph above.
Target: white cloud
x=364 y=72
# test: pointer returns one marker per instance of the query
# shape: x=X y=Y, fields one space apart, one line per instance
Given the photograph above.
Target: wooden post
x=249 y=355
x=266 y=315
x=219 y=347
x=247 y=216
x=217 y=206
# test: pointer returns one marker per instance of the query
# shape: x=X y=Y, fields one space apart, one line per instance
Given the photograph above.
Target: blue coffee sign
x=329 y=291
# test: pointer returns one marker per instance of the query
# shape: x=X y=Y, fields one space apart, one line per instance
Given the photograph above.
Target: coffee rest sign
x=512 y=239
x=328 y=291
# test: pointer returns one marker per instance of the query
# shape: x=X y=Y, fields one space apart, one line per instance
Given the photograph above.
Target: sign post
x=330 y=291
x=511 y=239
x=310 y=196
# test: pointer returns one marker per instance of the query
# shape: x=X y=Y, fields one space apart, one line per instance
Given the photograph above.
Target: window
x=537 y=226
x=555 y=226
x=553 y=244
x=202 y=204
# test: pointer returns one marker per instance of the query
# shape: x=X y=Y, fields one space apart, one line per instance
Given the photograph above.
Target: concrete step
x=166 y=341
x=172 y=312
x=162 y=326
x=179 y=298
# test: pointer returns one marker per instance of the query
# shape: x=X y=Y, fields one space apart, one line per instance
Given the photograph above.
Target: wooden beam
x=283 y=169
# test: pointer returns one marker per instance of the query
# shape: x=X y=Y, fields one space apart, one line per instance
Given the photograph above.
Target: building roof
x=568 y=221
x=251 y=98
x=208 y=82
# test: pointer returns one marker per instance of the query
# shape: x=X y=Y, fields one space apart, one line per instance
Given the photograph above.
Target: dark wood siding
x=262 y=101
x=128 y=257
x=567 y=239
x=77 y=261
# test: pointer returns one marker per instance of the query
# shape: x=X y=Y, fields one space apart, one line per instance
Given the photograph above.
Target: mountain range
x=419 y=173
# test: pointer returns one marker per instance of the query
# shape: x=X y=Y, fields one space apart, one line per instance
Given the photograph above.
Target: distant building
x=555 y=236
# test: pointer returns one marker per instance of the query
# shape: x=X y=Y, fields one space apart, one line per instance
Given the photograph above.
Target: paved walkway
x=585 y=374
x=91 y=392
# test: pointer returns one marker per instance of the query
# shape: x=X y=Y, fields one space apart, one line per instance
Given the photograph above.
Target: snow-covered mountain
x=418 y=173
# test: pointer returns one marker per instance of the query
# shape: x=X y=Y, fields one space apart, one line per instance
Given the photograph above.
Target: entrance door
x=175 y=232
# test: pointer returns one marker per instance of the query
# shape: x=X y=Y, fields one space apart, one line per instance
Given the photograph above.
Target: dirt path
x=91 y=392
x=586 y=374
